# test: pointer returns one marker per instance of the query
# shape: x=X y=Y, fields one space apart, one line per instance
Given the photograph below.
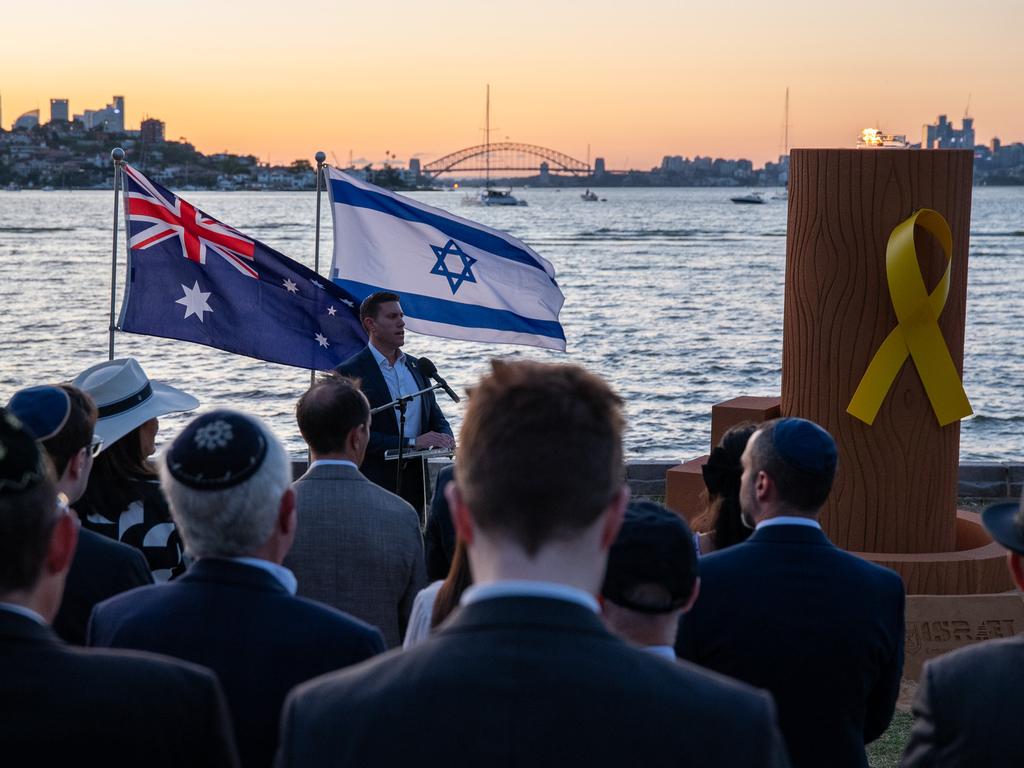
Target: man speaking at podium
x=386 y=374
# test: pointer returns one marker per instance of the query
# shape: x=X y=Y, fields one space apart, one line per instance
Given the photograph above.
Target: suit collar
x=524 y=613
x=19 y=628
x=789 y=534
x=212 y=570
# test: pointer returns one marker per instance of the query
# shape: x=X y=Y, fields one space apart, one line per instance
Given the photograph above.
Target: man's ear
x=287 y=516
x=1016 y=563
x=693 y=596
x=613 y=517
x=73 y=471
x=462 y=518
x=61 y=549
x=764 y=486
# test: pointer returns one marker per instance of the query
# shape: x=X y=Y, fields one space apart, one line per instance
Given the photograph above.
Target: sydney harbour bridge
x=506 y=156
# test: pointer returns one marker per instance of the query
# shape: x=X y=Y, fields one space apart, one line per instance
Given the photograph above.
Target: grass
x=885 y=751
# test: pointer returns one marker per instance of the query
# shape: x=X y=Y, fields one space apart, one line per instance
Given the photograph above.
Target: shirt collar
x=788 y=520
x=285 y=577
x=665 y=651
x=332 y=463
x=21 y=610
x=381 y=360
x=524 y=588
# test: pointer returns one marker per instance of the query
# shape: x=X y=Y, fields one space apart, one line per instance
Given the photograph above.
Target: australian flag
x=190 y=277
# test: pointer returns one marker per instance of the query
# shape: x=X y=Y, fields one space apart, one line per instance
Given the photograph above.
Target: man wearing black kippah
x=651 y=580
x=227 y=479
x=789 y=612
x=61 y=705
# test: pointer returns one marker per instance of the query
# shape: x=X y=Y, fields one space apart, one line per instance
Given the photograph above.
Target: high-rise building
x=414 y=167
x=58 y=110
x=942 y=135
x=151 y=131
x=110 y=118
x=599 y=167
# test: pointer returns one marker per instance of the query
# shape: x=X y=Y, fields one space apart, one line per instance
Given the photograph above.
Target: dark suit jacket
x=384 y=426
x=100 y=569
x=357 y=548
x=67 y=706
x=819 y=628
x=241 y=623
x=969 y=708
x=439 y=533
x=520 y=681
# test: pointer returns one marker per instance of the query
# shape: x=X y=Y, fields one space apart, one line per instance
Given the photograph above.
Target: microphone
x=429 y=371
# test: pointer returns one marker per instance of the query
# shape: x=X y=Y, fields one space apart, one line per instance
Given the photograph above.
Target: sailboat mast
x=786 y=151
x=487 y=141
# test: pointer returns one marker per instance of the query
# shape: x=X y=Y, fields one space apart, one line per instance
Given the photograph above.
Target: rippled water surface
x=674 y=295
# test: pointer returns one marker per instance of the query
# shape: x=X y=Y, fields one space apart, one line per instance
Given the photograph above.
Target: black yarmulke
x=654 y=547
x=218 y=450
x=21 y=462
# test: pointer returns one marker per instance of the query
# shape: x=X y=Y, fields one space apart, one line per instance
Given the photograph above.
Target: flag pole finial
x=320 y=157
x=117 y=155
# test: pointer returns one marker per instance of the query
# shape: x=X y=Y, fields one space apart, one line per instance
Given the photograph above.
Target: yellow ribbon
x=917 y=333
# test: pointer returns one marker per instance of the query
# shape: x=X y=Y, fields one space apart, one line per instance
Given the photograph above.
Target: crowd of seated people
x=201 y=608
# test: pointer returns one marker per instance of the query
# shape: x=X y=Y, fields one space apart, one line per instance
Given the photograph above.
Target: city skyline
x=395 y=78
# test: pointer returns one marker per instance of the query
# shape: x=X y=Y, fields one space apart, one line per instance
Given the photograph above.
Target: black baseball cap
x=654 y=547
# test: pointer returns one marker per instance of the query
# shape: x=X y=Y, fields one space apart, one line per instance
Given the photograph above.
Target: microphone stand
x=401 y=403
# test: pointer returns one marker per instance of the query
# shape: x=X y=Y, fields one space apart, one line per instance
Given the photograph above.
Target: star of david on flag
x=456 y=278
x=193 y=278
x=441 y=268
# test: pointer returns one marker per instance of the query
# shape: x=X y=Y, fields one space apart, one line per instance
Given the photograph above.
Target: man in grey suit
x=359 y=547
x=970 y=704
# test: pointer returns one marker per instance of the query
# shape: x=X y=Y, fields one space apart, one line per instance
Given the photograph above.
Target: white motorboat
x=589 y=196
x=491 y=196
x=754 y=198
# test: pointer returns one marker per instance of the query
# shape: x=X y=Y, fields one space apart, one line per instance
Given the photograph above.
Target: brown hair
x=329 y=410
x=540 y=451
x=722 y=474
x=76 y=432
x=27 y=519
x=372 y=303
x=456 y=582
x=110 y=480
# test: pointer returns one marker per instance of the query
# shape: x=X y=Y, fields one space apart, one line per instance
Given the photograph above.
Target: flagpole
x=319 y=157
x=117 y=156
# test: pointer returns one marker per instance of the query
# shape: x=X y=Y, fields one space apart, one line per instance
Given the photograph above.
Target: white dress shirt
x=400 y=383
x=788 y=520
x=21 y=610
x=523 y=588
x=332 y=463
x=285 y=577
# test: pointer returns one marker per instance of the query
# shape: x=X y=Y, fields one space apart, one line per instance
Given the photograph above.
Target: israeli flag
x=457 y=279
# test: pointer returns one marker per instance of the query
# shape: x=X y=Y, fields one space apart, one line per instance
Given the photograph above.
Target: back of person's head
x=61 y=417
x=652 y=565
x=224 y=477
x=28 y=507
x=540 y=452
x=371 y=304
x=722 y=474
x=329 y=410
x=800 y=457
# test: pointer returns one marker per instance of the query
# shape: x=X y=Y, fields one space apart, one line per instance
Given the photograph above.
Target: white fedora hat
x=127 y=399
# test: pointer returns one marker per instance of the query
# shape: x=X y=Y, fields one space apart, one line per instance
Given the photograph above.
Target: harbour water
x=674 y=295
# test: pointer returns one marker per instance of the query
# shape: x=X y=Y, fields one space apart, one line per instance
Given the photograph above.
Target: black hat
x=218 y=450
x=654 y=546
x=22 y=465
x=1005 y=523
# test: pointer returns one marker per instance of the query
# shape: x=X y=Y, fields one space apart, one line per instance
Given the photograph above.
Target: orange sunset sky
x=634 y=80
